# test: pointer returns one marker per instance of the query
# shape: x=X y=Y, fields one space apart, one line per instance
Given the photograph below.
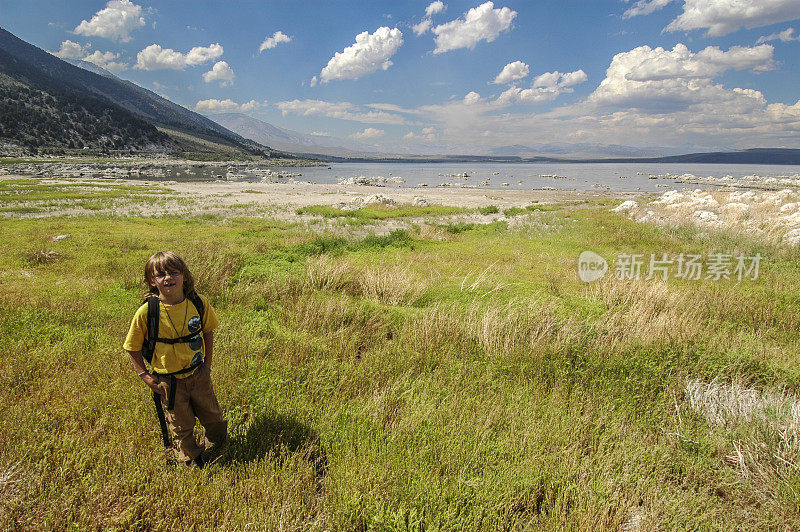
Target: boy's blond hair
x=167 y=261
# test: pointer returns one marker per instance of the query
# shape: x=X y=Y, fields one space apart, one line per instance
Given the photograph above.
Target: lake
x=526 y=176
x=561 y=176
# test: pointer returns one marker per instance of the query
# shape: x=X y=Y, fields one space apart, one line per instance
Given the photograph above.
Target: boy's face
x=169 y=283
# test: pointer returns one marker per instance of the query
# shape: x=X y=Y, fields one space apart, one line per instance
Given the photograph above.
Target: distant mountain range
x=314 y=145
x=340 y=150
x=785 y=156
x=46 y=102
x=290 y=141
x=782 y=156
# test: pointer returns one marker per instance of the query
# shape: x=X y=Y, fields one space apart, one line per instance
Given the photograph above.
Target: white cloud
x=512 y=72
x=428 y=135
x=434 y=8
x=252 y=105
x=548 y=80
x=709 y=115
x=559 y=80
x=472 y=98
x=320 y=134
x=786 y=35
x=226 y=106
x=200 y=54
x=116 y=21
x=721 y=17
x=156 y=58
x=572 y=78
x=106 y=60
x=645 y=7
x=390 y=107
x=424 y=25
x=220 y=72
x=216 y=106
x=71 y=50
x=645 y=64
x=271 y=42
x=339 y=110
x=482 y=23
x=369 y=53
x=369 y=133
x=545 y=87
x=532 y=96
x=659 y=80
x=460 y=118
x=784 y=114
x=738 y=118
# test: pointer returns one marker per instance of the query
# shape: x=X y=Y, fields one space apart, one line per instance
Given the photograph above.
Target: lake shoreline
x=225 y=198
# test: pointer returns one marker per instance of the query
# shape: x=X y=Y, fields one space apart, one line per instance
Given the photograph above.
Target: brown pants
x=194 y=397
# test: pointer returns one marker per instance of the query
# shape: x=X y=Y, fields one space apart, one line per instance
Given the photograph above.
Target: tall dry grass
x=764 y=427
x=389 y=284
x=644 y=312
x=640 y=313
x=212 y=265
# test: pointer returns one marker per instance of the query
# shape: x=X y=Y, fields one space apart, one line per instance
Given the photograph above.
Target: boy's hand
x=152 y=382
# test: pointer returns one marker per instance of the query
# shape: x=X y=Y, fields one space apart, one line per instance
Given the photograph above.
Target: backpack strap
x=149 y=346
x=180 y=340
x=198 y=304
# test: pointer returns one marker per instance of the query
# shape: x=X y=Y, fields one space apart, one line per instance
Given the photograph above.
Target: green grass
x=27 y=196
x=19 y=190
x=458 y=227
x=514 y=211
x=547 y=207
x=461 y=380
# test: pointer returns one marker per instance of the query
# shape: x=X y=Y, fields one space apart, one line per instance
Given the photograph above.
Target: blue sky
x=680 y=73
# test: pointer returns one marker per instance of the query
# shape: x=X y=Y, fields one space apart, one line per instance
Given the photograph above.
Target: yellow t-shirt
x=184 y=317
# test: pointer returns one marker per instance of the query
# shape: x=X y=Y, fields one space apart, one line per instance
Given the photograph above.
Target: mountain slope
x=91 y=67
x=35 y=112
x=287 y=140
x=786 y=156
x=25 y=65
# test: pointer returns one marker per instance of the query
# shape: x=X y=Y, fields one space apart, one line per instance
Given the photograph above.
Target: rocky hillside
x=49 y=103
x=34 y=117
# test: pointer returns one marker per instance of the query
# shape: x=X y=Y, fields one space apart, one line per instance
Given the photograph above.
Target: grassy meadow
x=444 y=376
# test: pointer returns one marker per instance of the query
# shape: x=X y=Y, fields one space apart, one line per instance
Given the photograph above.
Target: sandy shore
x=219 y=196
x=296 y=195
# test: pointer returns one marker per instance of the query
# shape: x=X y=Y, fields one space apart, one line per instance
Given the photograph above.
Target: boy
x=181 y=355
